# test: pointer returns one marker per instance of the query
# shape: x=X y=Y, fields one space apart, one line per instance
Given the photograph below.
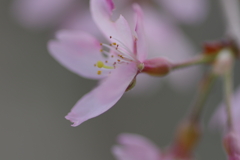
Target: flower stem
x=201 y=98
x=228 y=84
x=198 y=60
x=189 y=131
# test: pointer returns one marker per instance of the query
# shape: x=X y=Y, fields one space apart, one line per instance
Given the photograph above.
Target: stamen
x=99 y=72
x=125 y=47
x=118 y=51
x=100 y=64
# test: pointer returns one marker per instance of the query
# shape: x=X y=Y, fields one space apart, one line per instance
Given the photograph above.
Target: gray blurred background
x=36 y=93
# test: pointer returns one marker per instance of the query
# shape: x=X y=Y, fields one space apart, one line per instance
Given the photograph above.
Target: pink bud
x=231 y=144
x=187 y=136
x=157 y=67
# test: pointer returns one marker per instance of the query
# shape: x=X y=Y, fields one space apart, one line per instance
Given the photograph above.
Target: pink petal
x=101 y=12
x=104 y=96
x=40 y=13
x=78 y=52
x=135 y=147
x=186 y=10
x=141 y=48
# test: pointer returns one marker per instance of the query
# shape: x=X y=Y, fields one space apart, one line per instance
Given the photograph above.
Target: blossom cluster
x=124 y=52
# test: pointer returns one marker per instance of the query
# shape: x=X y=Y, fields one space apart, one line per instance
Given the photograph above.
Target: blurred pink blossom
x=188 y=11
x=82 y=54
x=136 y=147
x=39 y=14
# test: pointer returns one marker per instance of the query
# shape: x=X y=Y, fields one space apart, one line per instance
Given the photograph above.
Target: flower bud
x=213 y=47
x=187 y=137
x=157 y=67
x=231 y=144
x=223 y=62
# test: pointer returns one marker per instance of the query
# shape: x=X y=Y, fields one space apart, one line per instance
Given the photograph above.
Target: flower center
x=119 y=49
x=118 y=53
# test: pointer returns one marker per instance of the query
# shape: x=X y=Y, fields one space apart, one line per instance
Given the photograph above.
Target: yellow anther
x=99 y=72
x=114 y=43
x=100 y=64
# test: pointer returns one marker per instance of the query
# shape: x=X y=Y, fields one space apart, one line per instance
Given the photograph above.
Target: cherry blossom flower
x=162 y=35
x=117 y=68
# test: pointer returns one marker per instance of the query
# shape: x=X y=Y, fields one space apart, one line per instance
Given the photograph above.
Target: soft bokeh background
x=36 y=93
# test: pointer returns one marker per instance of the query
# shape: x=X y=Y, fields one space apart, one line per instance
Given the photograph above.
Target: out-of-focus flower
x=188 y=11
x=41 y=13
x=231 y=135
x=82 y=54
x=136 y=147
x=38 y=14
